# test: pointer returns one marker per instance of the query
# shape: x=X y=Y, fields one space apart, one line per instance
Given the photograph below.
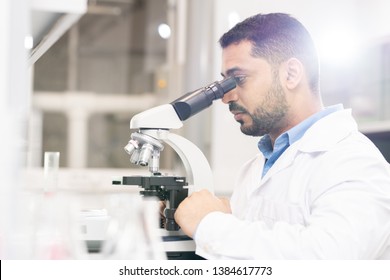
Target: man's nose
x=230 y=96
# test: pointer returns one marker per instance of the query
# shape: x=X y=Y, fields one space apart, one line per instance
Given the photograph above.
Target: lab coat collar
x=327 y=132
x=320 y=137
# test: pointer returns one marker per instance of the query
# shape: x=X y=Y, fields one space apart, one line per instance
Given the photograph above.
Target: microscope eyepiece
x=198 y=100
x=227 y=85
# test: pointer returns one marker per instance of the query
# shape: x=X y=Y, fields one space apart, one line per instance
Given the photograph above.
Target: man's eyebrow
x=231 y=71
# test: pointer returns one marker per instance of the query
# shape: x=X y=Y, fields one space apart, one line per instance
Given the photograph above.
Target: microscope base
x=180 y=247
x=176 y=245
x=175 y=251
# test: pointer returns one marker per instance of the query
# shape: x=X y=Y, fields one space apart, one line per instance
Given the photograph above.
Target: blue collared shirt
x=286 y=139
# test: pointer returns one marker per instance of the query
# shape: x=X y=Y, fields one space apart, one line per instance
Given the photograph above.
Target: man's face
x=258 y=102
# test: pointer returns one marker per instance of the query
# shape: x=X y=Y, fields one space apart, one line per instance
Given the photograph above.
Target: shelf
x=50 y=20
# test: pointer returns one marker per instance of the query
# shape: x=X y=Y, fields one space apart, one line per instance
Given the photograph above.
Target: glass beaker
x=132 y=229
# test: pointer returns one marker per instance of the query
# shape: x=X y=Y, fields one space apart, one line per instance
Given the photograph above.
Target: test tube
x=51 y=166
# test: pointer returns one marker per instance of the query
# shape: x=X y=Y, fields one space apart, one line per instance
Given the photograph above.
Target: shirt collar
x=294 y=134
x=299 y=130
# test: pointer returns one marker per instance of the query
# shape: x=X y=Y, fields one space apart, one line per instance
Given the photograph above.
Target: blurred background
x=94 y=64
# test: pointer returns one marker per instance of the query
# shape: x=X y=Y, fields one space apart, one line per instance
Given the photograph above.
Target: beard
x=268 y=116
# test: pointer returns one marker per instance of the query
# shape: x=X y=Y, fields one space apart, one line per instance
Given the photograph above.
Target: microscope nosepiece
x=144 y=150
x=131 y=146
x=135 y=157
x=145 y=154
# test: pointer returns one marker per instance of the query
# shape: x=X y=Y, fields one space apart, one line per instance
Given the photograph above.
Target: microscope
x=146 y=144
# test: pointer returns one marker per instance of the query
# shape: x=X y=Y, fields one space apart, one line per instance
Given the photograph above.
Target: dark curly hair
x=277 y=37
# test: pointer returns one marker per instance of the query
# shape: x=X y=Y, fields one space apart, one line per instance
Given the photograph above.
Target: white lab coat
x=326 y=197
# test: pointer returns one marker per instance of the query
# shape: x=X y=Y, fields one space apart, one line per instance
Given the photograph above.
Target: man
x=319 y=189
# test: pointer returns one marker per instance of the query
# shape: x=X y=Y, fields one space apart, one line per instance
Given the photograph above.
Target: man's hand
x=195 y=207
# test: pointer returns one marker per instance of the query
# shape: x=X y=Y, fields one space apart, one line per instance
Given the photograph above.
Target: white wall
x=13 y=112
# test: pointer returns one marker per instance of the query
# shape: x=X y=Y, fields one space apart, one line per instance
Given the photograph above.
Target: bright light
x=164 y=31
x=339 y=45
x=28 y=42
x=233 y=19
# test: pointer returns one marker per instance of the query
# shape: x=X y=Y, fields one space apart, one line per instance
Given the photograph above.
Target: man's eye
x=240 y=80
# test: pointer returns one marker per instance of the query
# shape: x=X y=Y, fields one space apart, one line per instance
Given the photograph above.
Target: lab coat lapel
x=316 y=139
x=255 y=175
x=285 y=160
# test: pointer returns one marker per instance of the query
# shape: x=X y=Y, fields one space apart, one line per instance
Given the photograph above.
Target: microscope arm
x=156 y=123
x=199 y=174
x=198 y=171
x=159 y=117
x=154 y=127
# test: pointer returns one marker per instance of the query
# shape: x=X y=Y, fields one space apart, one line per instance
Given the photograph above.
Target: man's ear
x=295 y=73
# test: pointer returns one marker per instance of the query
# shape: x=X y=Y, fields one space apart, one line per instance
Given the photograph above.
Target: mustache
x=233 y=106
